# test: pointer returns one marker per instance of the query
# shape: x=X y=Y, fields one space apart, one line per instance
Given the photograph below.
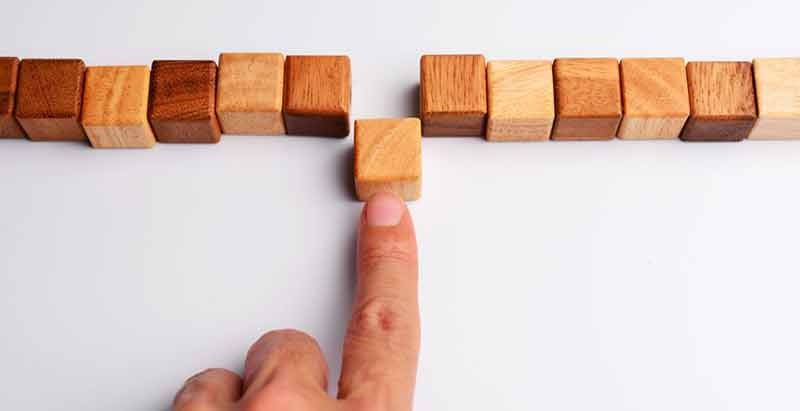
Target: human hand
x=285 y=370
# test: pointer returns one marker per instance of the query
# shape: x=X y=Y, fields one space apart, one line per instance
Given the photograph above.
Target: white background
x=555 y=276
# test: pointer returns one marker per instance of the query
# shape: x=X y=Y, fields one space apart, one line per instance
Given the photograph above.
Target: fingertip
x=384 y=209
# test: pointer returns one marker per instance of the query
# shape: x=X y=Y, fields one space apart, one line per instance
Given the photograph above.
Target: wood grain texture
x=588 y=100
x=388 y=157
x=778 y=97
x=115 y=107
x=49 y=97
x=521 y=101
x=453 y=99
x=9 y=127
x=655 y=98
x=722 y=100
x=181 y=107
x=317 y=93
x=250 y=93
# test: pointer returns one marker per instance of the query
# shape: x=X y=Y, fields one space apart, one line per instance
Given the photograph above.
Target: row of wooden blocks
x=178 y=101
x=600 y=98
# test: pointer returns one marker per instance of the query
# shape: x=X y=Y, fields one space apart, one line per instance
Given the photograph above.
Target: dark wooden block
x=453 y=95
x=588 y=98
x=316 y=98
x=49 y=95
x=9 y=127
x=722 y=100
x=181 y=106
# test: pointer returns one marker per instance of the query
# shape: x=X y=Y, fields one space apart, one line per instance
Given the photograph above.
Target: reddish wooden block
x=317 y=93
x=9 y=127
x=453 y=99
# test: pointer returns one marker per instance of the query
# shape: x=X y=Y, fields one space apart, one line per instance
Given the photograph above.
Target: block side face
x=777 y=87
x=317 y=85
x=9 y=68
x=654 y=87
x=410 y=190
x=587 y=88
x=53 y=129
x=189 y=132
x=317 y=125
x=598 y=128
x=127 y=136
x=721 y=90
x=388 y=150
x=776 y=129
x=453 y=125
x=518 y=130
x=10 y=128
x=252 y=124
x=182 y=90
x=453 y=84
x=116 y=96
x=49 y=88
x=520 y=90
x=650 y=128
x=716 y=130
x=250 y=82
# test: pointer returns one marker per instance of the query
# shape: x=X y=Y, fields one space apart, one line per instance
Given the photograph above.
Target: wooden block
x=49 y=96
x=778 y=98
x=655 y=98
x=316 y=99
x=250 y=93
x=182 y=98
x=521 y=102
x=9 y=127
x=588 y=101
x=388 y=157
x=115 y=107
x=722 y=99
x=453 y=95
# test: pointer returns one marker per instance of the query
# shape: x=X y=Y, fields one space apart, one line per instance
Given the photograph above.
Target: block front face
x=316 y=99
x=250 y=93
x=722 y=100
x=9 y=127
x=388 y=157
x=49 y=96
x=521 y=102
x=778 y=97
x=655 y=98
x=588 y=100
x=453 y=98
x=115 y=107
x=182 y=101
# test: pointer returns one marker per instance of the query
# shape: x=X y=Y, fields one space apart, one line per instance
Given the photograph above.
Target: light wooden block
x=453 y=95
x=778 y=97
x=388 y=157
x=250 y=93
x=9 y=127
x=521 y=102
x=655 y=98
x=588 y=100
x=317 y=97
x=722 y=100
x=115 y=107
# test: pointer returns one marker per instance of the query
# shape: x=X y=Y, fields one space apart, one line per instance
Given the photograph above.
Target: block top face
x=8 y=84
x=115 y=96
x=182 y=90
x=453 y=84
x=777 y=87
x=317 y=85
x=50 y=88
x=520 y=89
x=388 y=149
x=721 y=90
x=654 y=87
x=587 y=87
x=250 y=82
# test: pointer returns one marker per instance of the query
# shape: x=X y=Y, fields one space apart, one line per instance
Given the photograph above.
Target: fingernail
x=384 y=210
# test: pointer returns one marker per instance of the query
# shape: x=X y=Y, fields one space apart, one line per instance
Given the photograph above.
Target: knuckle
x=274 y=397
x=380 y=318
x=382 y=256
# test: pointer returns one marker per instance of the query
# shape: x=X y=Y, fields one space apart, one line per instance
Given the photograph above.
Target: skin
x=286 y=370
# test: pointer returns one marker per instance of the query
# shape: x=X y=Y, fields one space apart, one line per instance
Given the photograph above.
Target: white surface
x=555 y=276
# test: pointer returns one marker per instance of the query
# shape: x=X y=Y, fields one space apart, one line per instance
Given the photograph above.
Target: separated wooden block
x=722 y=100
x=182 y=99
x=9 y=127
x=115 y=107
x=453 y=95
x=521 y=106
x=250 y=93
x=655 y=98
x=388 y=157
x=778 y=98
x=316 y=98
x=588 y=102
x=49 y=96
